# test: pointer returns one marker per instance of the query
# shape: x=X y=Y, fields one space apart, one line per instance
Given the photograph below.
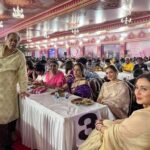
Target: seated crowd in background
x=82 y=80
x=75 y=76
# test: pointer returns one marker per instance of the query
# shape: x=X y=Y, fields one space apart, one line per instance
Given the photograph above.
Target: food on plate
x=82 y=101
x=87 y=101
x=77 y=101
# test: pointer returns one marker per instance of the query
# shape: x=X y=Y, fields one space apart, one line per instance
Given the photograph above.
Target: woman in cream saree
x=115 y=94
x=132 y=133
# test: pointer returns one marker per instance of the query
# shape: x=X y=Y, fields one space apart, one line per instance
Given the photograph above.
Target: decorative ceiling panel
x=111 y=4
x=30 y=8
x=21 y=3
x=44 y=16
x=4 y=17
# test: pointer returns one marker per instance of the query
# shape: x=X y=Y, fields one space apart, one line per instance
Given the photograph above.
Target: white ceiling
x=94 y=14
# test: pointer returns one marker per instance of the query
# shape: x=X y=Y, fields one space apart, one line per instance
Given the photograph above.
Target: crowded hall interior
x=74 y=74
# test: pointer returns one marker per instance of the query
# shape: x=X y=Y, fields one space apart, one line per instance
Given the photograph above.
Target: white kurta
x=12 y=71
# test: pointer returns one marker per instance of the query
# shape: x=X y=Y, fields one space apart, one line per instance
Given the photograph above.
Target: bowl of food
x=86 y=101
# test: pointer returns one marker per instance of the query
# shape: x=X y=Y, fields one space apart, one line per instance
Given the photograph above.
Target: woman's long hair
x=144 y=76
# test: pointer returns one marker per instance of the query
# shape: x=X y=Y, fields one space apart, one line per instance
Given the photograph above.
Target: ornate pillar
x=82 y=51
x=68 y=52
x=56 y=52
x=122 y=49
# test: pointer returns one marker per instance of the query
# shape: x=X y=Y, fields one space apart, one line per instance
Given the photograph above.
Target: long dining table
x=50 y=123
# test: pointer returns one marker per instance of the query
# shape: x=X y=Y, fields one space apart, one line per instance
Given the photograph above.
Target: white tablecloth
x=48 y=123
x=121 y=75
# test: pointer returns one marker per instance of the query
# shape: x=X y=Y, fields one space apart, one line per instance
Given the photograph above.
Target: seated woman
x=127 y=134
x=53 y=77
x=40 y=72
x=30 y=70
x=78 y=85
x=115 y=94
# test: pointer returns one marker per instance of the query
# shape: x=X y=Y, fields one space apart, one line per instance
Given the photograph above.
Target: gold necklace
x=76 y=82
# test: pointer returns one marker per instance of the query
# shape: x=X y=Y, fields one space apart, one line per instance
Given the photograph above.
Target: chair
x=133 y=105
x=95 y=85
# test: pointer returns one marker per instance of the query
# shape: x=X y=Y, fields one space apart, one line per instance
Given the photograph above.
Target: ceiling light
x=74 y=23
x=126 y=20
x=98 y=41
x=18 y=13
x=1 y=24
x=80 y=43
x=29 y=40
x=67 y=45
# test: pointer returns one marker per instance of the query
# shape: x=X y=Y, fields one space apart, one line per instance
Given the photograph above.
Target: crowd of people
x=116 y=94
x=123 y=134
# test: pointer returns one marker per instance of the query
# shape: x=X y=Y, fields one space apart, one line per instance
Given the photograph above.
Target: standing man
x=12 y=71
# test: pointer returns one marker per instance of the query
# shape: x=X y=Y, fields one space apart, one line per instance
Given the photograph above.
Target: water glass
x=57 y=95
x=66 y=95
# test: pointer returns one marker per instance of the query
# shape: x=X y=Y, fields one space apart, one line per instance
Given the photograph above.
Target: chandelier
x=74 y=23
x=75 y=31
x=126 y=20
x=127 y=4
x=1 y=24
x=18 y=13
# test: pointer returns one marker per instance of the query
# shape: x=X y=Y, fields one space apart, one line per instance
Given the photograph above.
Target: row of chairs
x=95 y=84
x=133 y=105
